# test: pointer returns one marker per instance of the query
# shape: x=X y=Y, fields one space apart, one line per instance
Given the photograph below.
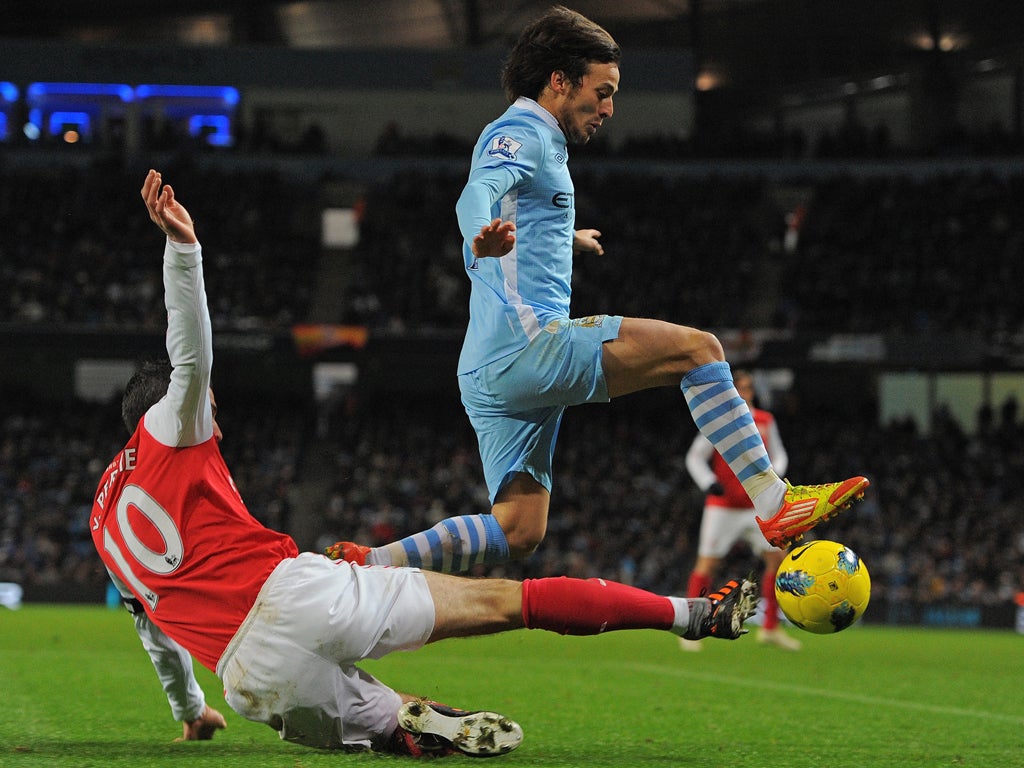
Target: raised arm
x=184 y=417
x=165 y=211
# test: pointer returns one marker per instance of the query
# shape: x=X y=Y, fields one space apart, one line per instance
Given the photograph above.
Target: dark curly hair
x=561 y=40
x=143 y=390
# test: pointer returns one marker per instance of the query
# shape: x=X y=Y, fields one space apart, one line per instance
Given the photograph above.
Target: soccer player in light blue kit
x=524 y=359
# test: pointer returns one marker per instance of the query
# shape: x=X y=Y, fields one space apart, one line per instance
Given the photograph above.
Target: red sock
x=699 y=585
x=771 y=603
x=589 y=607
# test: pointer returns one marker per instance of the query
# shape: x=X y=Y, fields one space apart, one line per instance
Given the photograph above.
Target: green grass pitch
x=78 y=690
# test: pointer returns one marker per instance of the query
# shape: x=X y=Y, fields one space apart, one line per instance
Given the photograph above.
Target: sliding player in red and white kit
x=284 y=630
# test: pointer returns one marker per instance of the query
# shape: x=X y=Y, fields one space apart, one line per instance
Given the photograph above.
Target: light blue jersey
x=519 y=174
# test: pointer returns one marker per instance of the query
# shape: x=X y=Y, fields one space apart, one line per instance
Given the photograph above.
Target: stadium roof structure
x=759 y=48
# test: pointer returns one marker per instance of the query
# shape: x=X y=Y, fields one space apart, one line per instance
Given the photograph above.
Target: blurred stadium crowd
x=865 y=254
x=74 y=249
x=896 y=253
x=842 y=254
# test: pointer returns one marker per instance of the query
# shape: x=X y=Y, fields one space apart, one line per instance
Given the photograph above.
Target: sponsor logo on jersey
x=562 y=199
x=504 y=146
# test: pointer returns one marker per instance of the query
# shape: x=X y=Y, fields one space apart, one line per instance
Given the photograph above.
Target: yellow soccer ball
x=823 y=587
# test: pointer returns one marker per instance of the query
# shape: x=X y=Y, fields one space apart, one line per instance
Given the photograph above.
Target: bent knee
x=521 y=510
x=705 y=348
x=523 y=543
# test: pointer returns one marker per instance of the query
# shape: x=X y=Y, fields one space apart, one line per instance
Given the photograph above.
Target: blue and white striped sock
x=454 y=545
x=723 y=417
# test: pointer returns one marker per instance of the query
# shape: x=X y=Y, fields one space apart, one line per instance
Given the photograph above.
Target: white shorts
x=291 y=664
x=722 y=527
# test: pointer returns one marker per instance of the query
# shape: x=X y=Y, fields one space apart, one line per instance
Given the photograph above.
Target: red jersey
x=167 y=519
x=171 y=524
x=734 y=496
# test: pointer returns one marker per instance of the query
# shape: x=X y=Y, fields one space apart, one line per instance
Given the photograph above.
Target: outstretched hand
x=495 y=239
x=165 y=211
x=585 y=241
x=204 y=726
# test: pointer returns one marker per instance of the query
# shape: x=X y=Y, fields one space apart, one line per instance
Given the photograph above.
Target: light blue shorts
x=515 y=404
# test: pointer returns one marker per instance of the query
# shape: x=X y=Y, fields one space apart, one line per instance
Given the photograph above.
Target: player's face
x=745 y=388
x=216 y=427
x=589 y=104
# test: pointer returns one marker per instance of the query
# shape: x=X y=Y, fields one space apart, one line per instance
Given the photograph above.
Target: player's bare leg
x=653 y=353
x=465 y=607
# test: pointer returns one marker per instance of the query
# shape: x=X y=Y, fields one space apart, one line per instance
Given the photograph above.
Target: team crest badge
x=504 y=146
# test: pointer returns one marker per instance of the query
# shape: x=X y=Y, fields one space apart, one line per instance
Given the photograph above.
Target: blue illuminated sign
x=223 y=93
x=216 y=128
x=201 y=111
x=60 y=120
x=37 y=91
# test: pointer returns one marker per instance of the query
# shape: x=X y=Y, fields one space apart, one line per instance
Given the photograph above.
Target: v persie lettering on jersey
x=123 y=462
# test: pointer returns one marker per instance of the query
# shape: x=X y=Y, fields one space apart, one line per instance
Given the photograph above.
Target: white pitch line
x=824 y=693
